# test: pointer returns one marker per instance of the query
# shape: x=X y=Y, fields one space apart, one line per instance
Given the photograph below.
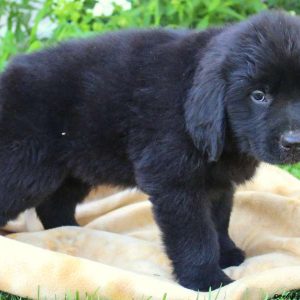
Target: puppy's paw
x=232 y=257
x=211 y=280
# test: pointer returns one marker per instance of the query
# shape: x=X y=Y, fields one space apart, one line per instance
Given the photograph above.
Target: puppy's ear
x=205 y=111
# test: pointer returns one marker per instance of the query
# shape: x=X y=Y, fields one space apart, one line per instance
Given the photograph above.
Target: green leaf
x=35 y=46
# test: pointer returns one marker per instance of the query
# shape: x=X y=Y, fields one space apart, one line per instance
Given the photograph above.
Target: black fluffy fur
x=168 y=111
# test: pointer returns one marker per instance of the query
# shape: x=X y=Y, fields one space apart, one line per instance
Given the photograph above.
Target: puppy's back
x=45 y=85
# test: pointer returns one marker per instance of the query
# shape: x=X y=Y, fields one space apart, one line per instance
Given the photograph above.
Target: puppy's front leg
x=175 y=180
x=190 y=238
x=230 y=254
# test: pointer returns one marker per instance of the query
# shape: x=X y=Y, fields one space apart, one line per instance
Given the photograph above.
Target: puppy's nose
x=291 y=140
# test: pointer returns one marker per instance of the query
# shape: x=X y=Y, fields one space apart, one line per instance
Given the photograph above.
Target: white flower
x=106 y=7
x=45 y=28
x=123 y=3
x=103 y=8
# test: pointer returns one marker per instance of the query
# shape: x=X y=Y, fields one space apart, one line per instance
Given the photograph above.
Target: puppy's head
x=246 y=90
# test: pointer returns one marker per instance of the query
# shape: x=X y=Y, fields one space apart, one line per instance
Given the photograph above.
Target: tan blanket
x=117 y=254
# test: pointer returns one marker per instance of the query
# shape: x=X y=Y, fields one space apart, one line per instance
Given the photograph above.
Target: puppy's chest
x=236 y=169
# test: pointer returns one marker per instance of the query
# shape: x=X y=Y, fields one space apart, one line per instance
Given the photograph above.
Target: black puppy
x=184 y=115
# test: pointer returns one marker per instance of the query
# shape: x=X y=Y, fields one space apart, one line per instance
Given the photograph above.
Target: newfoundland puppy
x=182 y=114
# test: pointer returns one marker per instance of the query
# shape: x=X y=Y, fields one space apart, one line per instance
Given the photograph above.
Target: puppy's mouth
x=288 y=156
x=276 y=154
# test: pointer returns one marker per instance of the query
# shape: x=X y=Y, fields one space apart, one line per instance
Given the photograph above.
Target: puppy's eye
x=259 y=96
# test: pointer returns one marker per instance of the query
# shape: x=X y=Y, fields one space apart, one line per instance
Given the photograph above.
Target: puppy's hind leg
x=12 y=202
x=29 y=173
x=59 y=208
x=16 y=197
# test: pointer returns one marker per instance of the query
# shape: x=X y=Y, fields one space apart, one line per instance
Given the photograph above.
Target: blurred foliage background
x=28 y=25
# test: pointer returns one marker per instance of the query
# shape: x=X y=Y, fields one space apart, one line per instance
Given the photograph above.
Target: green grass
x=293 y=295
x=4 y=296
x=293 y=169
x=94 y=296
